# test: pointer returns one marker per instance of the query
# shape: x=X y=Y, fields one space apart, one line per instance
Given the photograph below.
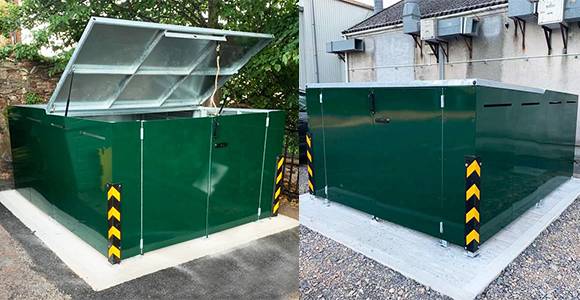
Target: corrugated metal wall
x=330 y=18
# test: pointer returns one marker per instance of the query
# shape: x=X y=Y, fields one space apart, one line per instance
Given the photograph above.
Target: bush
x=33 y=98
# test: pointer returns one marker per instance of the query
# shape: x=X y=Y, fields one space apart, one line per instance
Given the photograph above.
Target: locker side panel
x=526 y=152
x=315 y=128
x=59 y=166
x=273 y=150
x=126 y=168
x=458 y=142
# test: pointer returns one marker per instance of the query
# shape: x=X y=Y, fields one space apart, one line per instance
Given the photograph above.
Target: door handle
x=383 y=120
x=372 y=103
x=215 y=126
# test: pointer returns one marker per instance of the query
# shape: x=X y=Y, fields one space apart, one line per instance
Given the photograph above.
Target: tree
x=270 y=80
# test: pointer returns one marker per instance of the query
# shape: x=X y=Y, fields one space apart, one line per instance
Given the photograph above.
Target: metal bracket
x=564 y=32
x=472 y=254
x=469 y=43
x=435 y=49
x=418 y=43
x=548 y=36
x=521 y=25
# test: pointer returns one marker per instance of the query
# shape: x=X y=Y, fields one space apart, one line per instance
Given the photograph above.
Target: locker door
x=236 y=163
x=175 y=180
x=346 y=163
x=406 y=151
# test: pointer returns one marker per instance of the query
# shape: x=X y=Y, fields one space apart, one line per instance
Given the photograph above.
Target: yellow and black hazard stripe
x=279 y=182
x=310 y=159
x=472 y=198
x=114 y=219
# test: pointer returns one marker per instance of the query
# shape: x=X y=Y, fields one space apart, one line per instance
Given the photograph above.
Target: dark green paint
x=411 y=170
x=63 y=163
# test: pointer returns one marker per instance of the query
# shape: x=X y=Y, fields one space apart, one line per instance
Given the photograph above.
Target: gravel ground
x=329 y=270
x=547 y=269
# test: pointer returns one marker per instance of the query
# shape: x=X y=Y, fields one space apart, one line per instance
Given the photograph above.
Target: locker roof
x=431 y=83
x=122 y=66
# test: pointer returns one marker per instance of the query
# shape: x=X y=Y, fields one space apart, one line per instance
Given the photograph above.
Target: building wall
x=391 y=48
x=329 y=19
x=497 y=43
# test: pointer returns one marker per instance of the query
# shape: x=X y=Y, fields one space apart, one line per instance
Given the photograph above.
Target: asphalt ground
x=263 y=269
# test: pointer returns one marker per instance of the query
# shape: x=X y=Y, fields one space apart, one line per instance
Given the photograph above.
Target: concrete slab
x=418 y=256
x=93 y=267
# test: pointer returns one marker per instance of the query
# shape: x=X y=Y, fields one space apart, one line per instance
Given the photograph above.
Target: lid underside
x=124 y=66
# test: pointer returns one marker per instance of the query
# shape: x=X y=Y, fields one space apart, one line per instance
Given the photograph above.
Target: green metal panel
x=405 y=162
x=458 y=141
x=273 y=150
x=409 y=160
x=526 y=143
x=175 y=180
x=346 y=129
x=237 y=151
x=62 y=163
x=125 y=170
x=316 y=129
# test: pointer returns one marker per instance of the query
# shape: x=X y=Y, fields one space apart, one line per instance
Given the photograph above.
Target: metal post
x=314 y=41
x=441 y=62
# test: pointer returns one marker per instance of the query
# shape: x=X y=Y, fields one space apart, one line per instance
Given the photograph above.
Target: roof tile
x=393 y=14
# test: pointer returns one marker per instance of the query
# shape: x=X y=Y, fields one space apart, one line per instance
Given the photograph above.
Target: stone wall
x=16 y=80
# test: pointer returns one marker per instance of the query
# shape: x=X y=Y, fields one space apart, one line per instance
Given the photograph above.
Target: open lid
x=122 y=66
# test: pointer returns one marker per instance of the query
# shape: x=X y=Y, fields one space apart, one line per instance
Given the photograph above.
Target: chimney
x=411 y=17
x=378 y=6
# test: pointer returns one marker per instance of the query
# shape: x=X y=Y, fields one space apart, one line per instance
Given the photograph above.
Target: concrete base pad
x=95 y=270
x=447 y=270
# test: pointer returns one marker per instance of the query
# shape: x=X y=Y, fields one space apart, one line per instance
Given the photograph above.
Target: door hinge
x=141 y=133
x=441 y=227
x=320 y=98
x=267 y=121
x=442 y=101
x=259 y=211
x=141 y=244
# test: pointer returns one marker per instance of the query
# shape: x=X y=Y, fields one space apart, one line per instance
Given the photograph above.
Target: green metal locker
x=125 y=155
x=411 y=153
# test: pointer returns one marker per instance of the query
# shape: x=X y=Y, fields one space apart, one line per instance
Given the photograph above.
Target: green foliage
x=270 y=80
x=33 y=98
